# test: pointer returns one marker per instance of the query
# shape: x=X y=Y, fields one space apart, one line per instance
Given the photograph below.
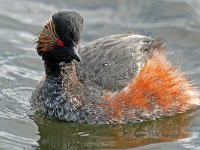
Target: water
x=174 y=21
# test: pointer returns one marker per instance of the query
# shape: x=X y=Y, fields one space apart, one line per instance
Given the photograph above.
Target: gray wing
x=111 y=62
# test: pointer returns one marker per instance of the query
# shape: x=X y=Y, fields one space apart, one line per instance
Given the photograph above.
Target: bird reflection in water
x=65 y=135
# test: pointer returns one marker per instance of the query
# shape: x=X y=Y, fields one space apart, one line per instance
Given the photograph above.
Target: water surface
x=174 y=21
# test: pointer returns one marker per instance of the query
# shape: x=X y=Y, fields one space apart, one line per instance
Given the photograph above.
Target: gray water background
x=177 y=22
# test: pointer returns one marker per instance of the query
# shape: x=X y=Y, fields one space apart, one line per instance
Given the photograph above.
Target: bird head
x=60 y=37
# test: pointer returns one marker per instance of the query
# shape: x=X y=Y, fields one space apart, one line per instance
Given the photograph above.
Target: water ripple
x=31 y=12
x=17 y=142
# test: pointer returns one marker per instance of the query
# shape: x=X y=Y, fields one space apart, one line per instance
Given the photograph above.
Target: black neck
x=52 y=69
x=58 y=69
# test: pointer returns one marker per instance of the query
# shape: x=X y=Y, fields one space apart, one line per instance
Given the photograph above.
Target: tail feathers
x=159 y=89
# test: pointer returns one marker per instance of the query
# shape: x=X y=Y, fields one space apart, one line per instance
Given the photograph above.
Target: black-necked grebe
x=122 y=78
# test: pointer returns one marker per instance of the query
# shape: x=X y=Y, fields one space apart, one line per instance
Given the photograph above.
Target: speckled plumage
x=63 y=98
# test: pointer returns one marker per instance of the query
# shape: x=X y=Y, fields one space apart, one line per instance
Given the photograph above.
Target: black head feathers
x=60 y=36
x=68 y=26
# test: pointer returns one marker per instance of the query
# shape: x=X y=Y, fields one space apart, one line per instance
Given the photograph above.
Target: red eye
x=60 y=43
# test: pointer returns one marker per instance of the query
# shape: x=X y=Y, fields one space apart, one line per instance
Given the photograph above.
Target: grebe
x=118 y=79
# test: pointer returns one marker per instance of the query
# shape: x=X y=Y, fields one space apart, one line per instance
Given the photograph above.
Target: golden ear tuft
x=47 y=38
